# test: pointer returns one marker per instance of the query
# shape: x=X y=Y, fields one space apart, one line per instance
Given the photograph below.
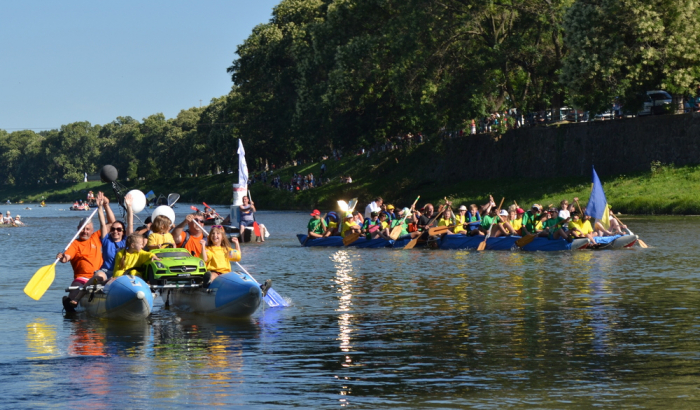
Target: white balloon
x=138 y=200
x=164 y=210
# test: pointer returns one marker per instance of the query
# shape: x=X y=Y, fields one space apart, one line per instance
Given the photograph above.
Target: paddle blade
x=343 y=206
x=40 y=282
x=274 y=299
x=438 y=230
x=525 y=240
x=256 y=229
x=172 y=198
x=349 y=239
x=352 y=204
x=395 y=233
x=412 y=244
x=641 y=243
x=482 y=245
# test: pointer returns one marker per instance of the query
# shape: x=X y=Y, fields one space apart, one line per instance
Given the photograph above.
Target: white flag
x=242 y=166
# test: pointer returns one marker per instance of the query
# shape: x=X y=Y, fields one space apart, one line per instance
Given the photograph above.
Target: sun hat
x=504 y=212
x=462 y=208
x=390 y=206
x=348 y=215
x=406 y=211
x=316 y=212
x=520 y=211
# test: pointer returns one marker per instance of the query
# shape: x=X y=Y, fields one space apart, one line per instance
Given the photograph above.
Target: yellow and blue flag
x=597 y=204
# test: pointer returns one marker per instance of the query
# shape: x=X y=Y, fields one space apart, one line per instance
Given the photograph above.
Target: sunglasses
x=201 y=221
x=116 y=230
x=217 y=226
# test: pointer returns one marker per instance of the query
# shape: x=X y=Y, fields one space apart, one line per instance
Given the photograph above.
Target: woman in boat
x=218 y=254
x=161 y=233
x=113 y=232
x=247 y=215
x=133 y=256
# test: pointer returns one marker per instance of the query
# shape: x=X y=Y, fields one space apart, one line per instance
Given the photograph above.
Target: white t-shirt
x=372 y=207
x=564 y=213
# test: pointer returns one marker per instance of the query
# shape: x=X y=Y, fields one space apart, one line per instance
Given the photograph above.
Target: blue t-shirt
x=109 y=251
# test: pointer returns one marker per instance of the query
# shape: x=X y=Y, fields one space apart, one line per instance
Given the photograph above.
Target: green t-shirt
x=404 y=226
x=316 y=226
x=554 y=224
x=489 y=220
x=530 y=221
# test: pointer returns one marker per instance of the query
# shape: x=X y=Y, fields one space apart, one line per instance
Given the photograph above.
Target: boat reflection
x=41 y=340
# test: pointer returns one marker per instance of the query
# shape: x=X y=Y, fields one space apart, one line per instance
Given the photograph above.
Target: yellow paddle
x=43 y=278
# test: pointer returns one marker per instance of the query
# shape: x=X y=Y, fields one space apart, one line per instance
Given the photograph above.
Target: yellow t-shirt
x=158 y=239
x=459 y=223
x=218 y=259
x=347 y=225
x=444 y=222
x=583 y=226
x=516 y=224
x=385 y=224
x=130 y=260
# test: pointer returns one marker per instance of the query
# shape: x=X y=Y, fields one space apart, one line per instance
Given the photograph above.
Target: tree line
x=326 y=75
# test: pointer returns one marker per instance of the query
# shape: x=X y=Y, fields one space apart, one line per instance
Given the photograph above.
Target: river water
x=372 y=328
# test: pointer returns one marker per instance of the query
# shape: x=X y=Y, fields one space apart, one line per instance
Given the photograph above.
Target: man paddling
x=316 y=228
x=191 y=238
x=85 y=257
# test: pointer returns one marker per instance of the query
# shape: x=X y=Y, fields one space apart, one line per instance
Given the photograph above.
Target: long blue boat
x=505 y=243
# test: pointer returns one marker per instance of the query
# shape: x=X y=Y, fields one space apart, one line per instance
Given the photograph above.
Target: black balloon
x=108 y=173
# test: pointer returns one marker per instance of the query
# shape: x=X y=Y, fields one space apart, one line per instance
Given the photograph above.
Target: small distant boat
x=125 y=298
x=79 y=208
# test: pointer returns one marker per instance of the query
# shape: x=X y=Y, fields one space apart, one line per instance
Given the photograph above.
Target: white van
x=653 y=102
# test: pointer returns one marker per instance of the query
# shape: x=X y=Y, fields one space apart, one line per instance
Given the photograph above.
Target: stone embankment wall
x=613 y=147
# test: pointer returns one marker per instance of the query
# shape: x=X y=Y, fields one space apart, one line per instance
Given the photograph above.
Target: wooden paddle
x=439 y=230
x=43 y=278
x=349 y=239
x=482 y=245
x=397 y=229
x=414 y=241
x=641 y=242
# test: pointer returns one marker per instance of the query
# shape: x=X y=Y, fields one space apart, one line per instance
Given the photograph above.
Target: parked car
x=605 y=116
x=655 y=102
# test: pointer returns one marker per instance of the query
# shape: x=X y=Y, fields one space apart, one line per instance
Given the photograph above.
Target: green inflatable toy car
x=175 y=264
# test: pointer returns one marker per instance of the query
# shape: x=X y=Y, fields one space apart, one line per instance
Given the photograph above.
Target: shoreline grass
x=663 y=190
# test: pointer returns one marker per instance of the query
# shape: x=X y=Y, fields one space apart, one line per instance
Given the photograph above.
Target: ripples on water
x=376 y=328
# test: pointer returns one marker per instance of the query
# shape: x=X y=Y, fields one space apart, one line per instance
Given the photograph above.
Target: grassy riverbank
x=397 y=177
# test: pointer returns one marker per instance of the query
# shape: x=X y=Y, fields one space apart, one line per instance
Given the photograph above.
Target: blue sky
x=68 y=61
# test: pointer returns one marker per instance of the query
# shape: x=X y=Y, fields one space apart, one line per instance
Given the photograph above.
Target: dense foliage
x=326 y=75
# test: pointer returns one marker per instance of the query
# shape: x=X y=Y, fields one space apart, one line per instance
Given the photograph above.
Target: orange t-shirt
x=86 y=256
x=193 y=244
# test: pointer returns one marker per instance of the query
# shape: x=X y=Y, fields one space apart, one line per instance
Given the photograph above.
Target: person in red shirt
x=85 y=257
x=193 y=243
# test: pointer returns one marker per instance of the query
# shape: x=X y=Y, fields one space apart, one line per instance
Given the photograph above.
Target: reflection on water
x=377 y=328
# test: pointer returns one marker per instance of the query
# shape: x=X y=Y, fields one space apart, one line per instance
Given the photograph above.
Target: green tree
x=623 y=48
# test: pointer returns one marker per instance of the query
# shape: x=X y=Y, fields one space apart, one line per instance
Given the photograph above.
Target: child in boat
x=552 y=225
x=218 y=254
x=472 y=219
x=461 y=220
x=581 y=228
x=349 y=225
x=132 y=256
x=161 y=233
x=447 y=219
x=373 y=229
x=315 y=228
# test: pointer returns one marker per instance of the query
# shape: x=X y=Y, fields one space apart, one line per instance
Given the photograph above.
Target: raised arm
x=104 y=227
x=129 y=215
